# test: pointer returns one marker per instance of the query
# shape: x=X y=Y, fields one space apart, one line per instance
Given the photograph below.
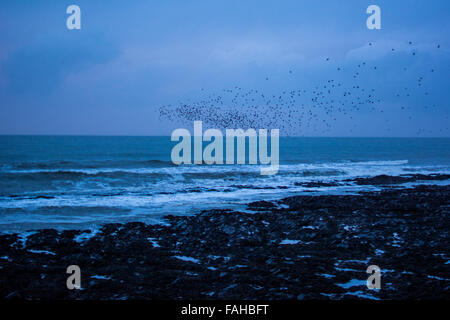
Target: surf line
x=213 y=152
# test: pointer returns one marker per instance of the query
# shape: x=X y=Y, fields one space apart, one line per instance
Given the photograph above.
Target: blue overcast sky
x=131 y=57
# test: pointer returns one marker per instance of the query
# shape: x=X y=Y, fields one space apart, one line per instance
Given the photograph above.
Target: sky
x=130 y=57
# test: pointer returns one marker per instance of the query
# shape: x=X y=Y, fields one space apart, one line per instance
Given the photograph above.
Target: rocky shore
x=302 y=247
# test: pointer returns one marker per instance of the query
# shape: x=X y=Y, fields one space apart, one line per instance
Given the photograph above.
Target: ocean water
x=82 y=182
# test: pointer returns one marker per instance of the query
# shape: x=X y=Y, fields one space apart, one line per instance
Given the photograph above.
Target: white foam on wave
x=189 y=189
x=85 y=236
x=210 y=168
x=352 y=283
x=291 y=242
x=188 y=259
x=42 y=252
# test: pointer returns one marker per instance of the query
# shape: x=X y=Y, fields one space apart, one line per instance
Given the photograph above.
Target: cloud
x=40 y=67
x=381 y=49
x=231 y=51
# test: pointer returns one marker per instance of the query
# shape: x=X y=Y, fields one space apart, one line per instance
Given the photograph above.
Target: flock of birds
x=300 y=111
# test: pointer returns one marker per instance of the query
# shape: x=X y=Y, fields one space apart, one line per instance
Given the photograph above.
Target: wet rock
x=261 y=205
x=386 y=180
x=312 y=247
x=316 y=184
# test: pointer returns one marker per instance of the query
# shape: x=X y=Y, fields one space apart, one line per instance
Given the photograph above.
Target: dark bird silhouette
x=295 y=110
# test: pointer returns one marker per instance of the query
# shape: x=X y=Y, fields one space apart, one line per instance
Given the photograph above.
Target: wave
x=86 y=164
x=74 y=174
x=226 y=172
x=192 y=178
x=380 y=162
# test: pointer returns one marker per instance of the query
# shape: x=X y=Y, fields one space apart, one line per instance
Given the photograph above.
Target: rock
x=327 y=242
x=386 y=180
x=316 y=184
x=264 y=205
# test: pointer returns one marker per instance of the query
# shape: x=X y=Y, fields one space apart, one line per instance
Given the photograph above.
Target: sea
x=82 y=182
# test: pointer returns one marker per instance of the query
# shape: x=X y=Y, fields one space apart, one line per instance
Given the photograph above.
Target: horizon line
x=143 y=136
